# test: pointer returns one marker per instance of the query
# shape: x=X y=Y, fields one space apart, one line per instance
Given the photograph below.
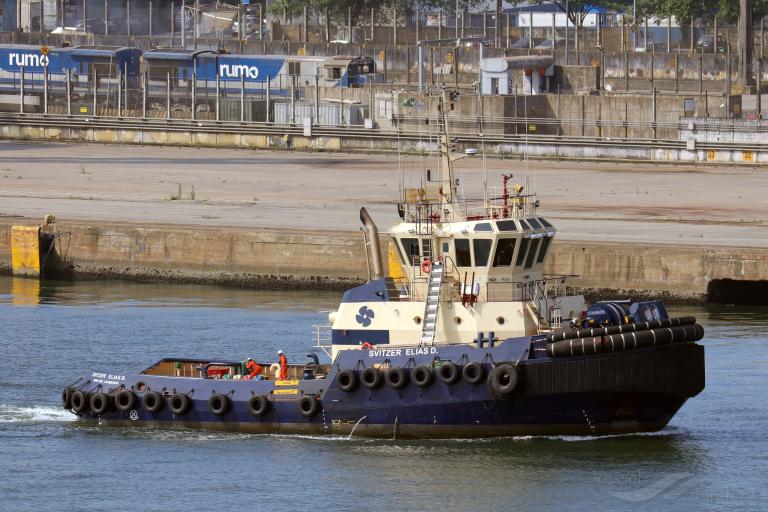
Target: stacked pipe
x=624 y=337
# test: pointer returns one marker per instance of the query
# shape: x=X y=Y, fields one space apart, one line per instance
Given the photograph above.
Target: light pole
x=567 y=8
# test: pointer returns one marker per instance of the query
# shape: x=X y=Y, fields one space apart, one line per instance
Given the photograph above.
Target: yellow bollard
x=25 y=251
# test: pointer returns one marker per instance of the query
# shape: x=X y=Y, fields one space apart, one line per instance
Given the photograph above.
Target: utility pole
x=745 y=43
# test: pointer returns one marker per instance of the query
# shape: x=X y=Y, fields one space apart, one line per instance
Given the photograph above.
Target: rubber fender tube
x=372 y=378
x=309 y=406
x=449 y=373
x=80 y=401
x=219 y=404
x=396 y=378
x=259 y=405
x=124 y=400
x=422 y=376
x=503 y=381
x=153 y=401
x=347 y=380
x=99 y=403
x=473 y=373
x=619 y=329
x=66 y=398
x=179 y=403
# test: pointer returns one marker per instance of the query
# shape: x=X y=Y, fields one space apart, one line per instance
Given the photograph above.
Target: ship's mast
x=449 y=189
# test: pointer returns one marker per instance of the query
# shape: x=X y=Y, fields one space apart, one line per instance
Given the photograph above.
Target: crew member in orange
x=283 y=364
x=254 y=369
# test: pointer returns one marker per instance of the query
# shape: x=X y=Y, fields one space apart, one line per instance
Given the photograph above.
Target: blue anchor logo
x=364 y=316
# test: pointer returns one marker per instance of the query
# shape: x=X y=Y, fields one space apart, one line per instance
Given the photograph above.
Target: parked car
x=706 y=44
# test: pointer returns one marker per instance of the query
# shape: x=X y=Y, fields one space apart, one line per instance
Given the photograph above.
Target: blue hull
x=632 y=391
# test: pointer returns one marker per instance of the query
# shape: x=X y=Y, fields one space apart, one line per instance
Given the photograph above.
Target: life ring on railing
x=426 y=265
x=366 y=346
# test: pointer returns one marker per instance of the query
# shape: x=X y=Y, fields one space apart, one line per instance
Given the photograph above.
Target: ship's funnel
x=373 y=248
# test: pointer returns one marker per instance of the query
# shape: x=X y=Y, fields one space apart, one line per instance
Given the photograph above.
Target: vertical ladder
x=434 y=284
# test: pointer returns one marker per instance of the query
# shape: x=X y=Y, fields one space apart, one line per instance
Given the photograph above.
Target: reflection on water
x=29 y=291
x=709 y=458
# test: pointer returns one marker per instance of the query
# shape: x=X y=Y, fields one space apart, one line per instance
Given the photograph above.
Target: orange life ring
x=366 y=346
x=426 y=265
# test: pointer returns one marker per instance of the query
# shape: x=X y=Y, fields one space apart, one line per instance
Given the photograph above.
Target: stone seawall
x=293 y=259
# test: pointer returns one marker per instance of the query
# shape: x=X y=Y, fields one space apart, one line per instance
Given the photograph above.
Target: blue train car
x=257 y=72
x=82 y=64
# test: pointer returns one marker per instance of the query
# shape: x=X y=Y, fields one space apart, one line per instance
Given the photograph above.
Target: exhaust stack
x=373 y=248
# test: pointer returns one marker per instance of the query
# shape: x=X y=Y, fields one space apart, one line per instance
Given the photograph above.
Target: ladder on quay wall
x=429 y=322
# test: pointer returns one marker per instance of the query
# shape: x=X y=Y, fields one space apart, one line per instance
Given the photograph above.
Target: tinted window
x=523 y=249
x=532 y=252
x=463 y=258
x=411 y=250
x=482 y=248
x=534 y=223
x=485 y=226
x=524 y=225
x=506 y=225
x=545 y=222
x=543 y=250
x=505 y=248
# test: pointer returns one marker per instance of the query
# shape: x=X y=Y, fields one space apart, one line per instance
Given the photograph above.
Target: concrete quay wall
x=563 y=149
x=292 y=259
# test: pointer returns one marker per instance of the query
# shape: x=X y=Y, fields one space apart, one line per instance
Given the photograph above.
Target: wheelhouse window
x=534 y=223
x=482 y=247
x=524 y=225
x=506 y=225
x=463 y=256
x=545 y=222
x=505 y=249
x=523 y=251
x=532 y=252
x=543 y=249
x=484 y=227
x=411 y=250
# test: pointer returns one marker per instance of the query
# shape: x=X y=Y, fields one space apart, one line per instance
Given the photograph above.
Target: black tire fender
x=372 y=378
x=309 y=406
x=99 y=403
x=396 y=378
x=80 y=401
x=259 y=405
x=473 y=373
x=179 y=403
x=503 y=380
x=153 y=401
x=66 y=397
x=449 y=373
x=125 y=400
x=219 y=404
x=347 y=380
x=422 y=376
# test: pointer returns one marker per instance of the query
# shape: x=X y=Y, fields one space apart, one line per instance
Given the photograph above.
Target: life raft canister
x=426 y=265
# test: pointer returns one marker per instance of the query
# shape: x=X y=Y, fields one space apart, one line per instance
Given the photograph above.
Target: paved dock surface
x=591 y=201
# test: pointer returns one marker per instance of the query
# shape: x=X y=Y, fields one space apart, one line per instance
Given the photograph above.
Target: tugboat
x=462 y=336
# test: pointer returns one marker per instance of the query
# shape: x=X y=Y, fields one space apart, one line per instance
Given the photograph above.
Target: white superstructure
x=456 y=268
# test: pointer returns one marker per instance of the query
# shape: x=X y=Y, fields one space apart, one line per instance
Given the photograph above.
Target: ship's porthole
x=417 y=320
x=141 y=387
x=500 y=320
x=396 y=313
x=457 y=319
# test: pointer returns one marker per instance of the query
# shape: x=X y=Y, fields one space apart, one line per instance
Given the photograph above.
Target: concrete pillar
x=746 y=41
